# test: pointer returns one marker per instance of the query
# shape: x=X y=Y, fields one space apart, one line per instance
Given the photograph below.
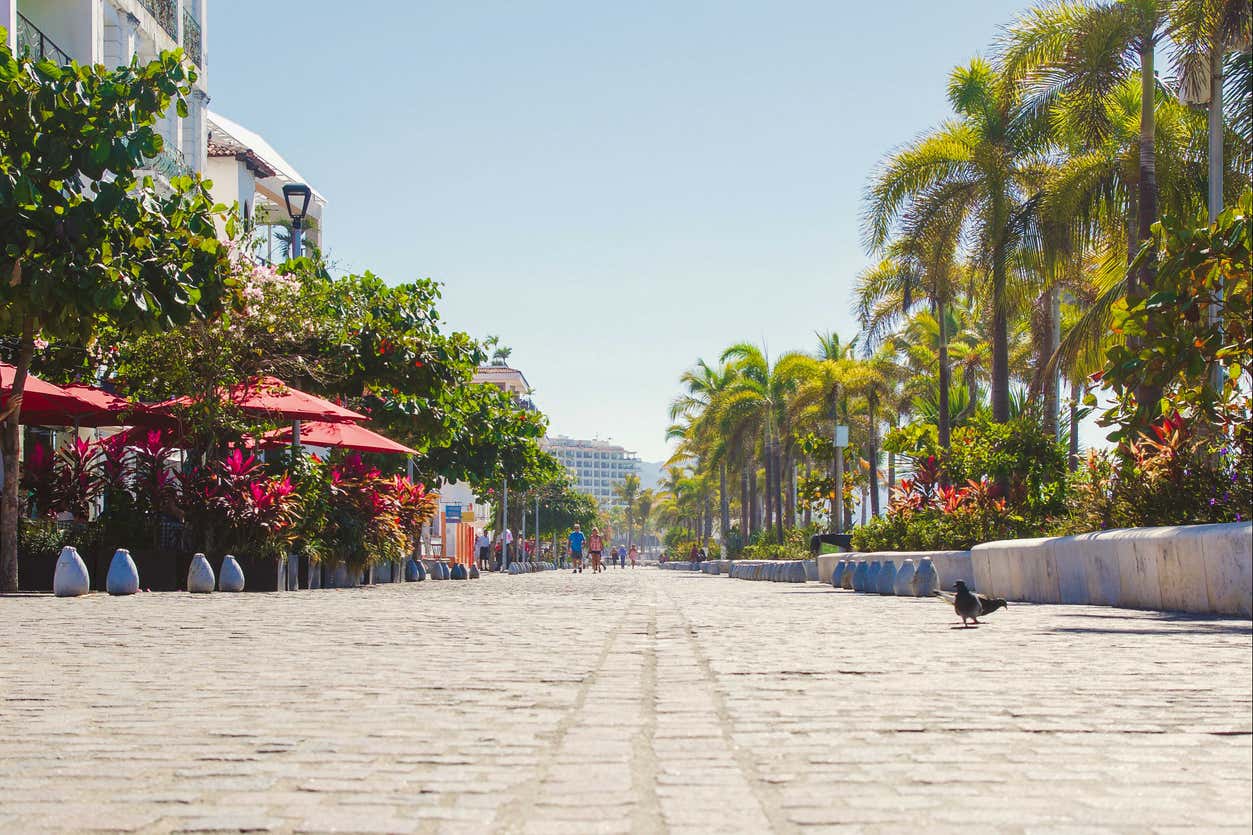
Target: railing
x=166 y=13
x=170 y=163
x=193 y=44
x=38 y=45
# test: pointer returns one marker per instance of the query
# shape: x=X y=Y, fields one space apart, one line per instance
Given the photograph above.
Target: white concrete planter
x=232 y=577
x=123 y=576
x=904 y=585
x=200 y=579
x=70 y=579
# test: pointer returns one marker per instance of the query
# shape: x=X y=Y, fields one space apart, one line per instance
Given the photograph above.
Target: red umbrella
x=271 y=397
x=346 y=435
x=97 y=407
x=44 y=404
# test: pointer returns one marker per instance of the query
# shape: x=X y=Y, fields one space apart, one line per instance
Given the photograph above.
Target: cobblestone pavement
x=640 y=701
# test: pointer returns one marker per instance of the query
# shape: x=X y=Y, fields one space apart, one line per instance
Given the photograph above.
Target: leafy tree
x=628 y=493
x=83 y=241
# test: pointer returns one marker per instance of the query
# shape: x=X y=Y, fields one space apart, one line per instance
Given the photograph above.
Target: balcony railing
x=193 y=44
x=170 y=163
x=166 y=13
x=38 y=45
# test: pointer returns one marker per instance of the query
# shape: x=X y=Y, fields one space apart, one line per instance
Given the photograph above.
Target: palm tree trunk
x=724 y=504
x=767 y=454
x=807 y=513
x=872 y=406
x=777 y=464
x=746 y=505
x=946 y=376
x=754 y=514
x=1146 y=277
x=891 y=472
x=789 y=467
x=837 y=500
x=1000 y=336
x=1052 y=335
x=1074 y=432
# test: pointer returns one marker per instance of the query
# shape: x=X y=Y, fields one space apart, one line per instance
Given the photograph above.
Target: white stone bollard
x=887 y=577
x=232 y=578
x=200 y=579
x=123 y=576
x=904 y=585
x=70 y=578
x=926 y=579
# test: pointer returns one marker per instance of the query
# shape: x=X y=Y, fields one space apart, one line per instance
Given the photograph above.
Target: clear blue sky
x=615 y=189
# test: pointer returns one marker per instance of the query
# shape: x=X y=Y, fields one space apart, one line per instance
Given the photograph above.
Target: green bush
x=774 y=551
x=934 y=530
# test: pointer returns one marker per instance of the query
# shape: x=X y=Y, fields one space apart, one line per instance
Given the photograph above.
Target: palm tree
x=982 y=169
x=643 y=510
x=700 y=437
x=627 y=492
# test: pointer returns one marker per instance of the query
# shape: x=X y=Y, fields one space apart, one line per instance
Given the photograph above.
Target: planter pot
x=231 y=577
x=887 y=577
x=71 y=578
x=926 y=579
x=904 y=586
x=872 y=577
x=200 y=579
x=837 y=576
x=859 y=575
x=123 y=576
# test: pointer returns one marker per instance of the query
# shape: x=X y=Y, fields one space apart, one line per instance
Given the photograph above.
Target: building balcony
x=165 y=12
x=32 y=41
x=193 y=43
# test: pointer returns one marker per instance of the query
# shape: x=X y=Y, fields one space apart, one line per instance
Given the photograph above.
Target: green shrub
x=774 y=551
x=934 y=530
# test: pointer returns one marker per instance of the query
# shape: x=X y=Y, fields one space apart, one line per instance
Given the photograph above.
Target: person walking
x=576 y=549
x=595 y=547
x=633 y=555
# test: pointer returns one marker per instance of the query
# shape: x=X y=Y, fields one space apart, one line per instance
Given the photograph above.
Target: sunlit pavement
x=637 y=701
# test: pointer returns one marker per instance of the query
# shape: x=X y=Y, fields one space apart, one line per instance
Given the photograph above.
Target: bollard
x=887 y=577
x=926 y=578
x=70 y=578
x=200 y=579
x=904 y=586
x=123 y=576
x=232 y=577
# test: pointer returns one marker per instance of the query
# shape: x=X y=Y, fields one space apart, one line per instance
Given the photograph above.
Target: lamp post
x=297 y=196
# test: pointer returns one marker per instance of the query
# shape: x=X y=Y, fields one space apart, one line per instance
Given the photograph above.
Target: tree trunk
x=872 y=406
x=777 y=464
x=768 y=461
x=10 y=444
x=1146 y=276
x=807 y=513
x=1074 y=433
x=837 y=500
x=724 y=504
x=745 y=505
x=891 y=473
x=789 y=467
x=944 y=419
x=1052 y=336
x=1000 y=335
x=754 y=509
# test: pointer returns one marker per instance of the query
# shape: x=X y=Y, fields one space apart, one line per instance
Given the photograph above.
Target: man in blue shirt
x=576 y=549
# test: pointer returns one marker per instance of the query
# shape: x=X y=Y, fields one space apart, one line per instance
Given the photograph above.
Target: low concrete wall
x=1191 y=568
x=950 y=565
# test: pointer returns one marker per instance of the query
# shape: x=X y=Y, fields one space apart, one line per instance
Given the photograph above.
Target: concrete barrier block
x=1228 y=554
x=1181 y=569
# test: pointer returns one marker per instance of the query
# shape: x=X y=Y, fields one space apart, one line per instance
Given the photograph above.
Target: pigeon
x=969 y=605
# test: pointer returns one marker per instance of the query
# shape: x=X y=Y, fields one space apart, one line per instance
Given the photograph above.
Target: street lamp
x=297 y=196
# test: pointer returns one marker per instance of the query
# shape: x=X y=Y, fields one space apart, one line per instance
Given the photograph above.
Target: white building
x=596 y=466
x=246 y=170
x=112 y=32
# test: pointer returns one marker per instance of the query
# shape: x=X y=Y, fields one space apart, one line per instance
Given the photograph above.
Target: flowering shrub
x=232 y=504
x=373 y=518
x=1171 y=475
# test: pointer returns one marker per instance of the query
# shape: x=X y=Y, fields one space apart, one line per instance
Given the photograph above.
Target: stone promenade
x=640 y=701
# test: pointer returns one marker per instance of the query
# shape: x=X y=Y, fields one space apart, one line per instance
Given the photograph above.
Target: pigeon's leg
x=974 y=620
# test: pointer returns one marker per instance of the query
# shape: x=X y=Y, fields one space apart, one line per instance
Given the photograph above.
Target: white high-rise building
x=596 y=466
x=112 y=32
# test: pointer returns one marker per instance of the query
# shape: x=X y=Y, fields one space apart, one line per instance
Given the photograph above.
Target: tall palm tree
x=1070 y=57
x=643 y=511
x=627 y=492
x=984 y=168
x=701 y=438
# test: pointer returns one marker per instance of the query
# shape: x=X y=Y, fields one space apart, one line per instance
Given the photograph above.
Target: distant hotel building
x=597 y=467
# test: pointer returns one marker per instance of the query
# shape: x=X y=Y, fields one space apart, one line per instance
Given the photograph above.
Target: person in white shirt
x=483 y=548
